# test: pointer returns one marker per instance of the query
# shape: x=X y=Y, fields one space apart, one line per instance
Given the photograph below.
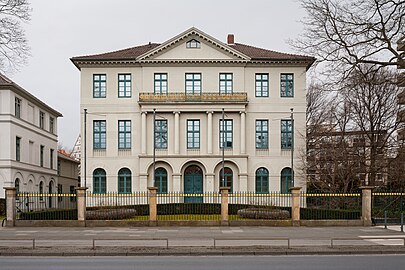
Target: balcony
x=152 y=98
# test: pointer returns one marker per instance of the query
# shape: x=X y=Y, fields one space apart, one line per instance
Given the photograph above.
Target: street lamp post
x=292 y=146
x=154 y=147
x=223 y=149
x=84 y=148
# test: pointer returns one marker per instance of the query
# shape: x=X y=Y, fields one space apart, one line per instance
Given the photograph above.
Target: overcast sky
x=65 y=28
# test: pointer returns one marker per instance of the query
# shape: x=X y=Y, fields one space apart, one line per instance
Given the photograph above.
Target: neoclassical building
x=174 y=93
x=28 y=141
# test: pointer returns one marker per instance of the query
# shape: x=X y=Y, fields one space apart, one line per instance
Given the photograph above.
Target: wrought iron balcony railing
x=183 y=97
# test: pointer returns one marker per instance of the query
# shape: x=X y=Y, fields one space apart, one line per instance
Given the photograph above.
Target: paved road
x=206 y=263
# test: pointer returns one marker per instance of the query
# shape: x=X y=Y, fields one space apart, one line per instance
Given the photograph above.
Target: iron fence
x=387 y=207
x=46 y=206
x=117 y=206
x=321 y=206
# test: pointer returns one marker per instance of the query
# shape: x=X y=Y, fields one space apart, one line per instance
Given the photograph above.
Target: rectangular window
x=99 y=85
x=58 y=167
x=161 y=134
x=41 y=119
x=17 y=111
x=160 y=83
x=72 y=190
x=99 y=134
x=193 y=83
x=18 y=148
x=286 y=134
x=225 y=83
x=287 y=85
x=124 y=85
x=262 y=134
x=51 y=125
x=41 y=156
x=51 y=158
x=60 y=191
x=262 y=85
x=226 y=133
x=193 y=134
x=124 y=134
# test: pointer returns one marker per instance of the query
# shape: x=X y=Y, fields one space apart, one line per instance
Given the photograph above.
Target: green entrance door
x=193 y=184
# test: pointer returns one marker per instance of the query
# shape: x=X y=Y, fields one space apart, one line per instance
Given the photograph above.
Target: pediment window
x=193 y=44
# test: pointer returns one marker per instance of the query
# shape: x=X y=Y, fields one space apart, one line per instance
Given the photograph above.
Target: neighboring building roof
x=255 y=53
x=62 y=154
x=8 y=83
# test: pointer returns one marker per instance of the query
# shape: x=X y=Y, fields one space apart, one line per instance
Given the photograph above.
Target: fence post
x=11 y=194
x=224 y=205
x=152 y=206
x=366 y=205
x=81 y=204
x=295 y=205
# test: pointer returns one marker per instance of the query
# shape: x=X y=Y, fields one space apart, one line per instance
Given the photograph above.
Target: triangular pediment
x=207 y=49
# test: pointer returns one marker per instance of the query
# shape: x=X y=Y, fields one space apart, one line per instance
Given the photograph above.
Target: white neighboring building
x=28 y=141
x=189 y=79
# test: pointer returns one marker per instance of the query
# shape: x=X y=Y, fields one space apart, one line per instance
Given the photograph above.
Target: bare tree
x=14 y=48
x=344 y=34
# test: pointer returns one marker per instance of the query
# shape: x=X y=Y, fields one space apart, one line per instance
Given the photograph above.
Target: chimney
x=231 y=39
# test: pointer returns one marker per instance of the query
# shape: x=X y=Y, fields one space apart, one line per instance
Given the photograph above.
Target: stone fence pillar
x=152 y=206
x=295 y=205
x=11 y=194
x=224 y=205
x=366 y=205
x=81 y=203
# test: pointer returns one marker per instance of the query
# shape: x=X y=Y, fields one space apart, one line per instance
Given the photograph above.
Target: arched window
x=99 y=181
x=17 y=185
x=50 y=188
x=41 y=190
x=286 y=180
x=124 y=181
x=262 y=180
x=193 y=44
x=228 y=179
x=161 y=180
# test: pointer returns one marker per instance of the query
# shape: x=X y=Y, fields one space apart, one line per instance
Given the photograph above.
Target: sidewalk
x=131 y=241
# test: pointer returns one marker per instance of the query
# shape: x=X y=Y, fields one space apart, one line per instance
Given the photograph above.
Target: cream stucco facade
x=243 y=107
x=28 y=141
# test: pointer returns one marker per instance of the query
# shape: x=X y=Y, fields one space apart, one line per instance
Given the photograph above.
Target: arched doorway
x=193 y=184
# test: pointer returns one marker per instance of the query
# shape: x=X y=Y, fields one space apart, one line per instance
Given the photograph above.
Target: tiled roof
x=253 y=52
x=130 y=53
x=263 y=54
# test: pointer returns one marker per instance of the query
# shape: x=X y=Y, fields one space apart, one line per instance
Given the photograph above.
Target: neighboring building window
x=193 y=83
x=193 y=134
x=51 y=125
x=99 y=134
x=99 y=85
x=262 y=134
x=51 y=158
x=41 y=190
x=99 y=181
x=226 y=133
x=225 y=83
x=262 y=180
x=161 y=180
x=72 y=190
x=124 y=85
x=287 y=85
x=161 y=134
x=60 y=191
x=17 y=185
x=286 y=180
x=17 y=111
x=41 y=119
x=124 y=181
x=262 y=84
x=286 y=134
x=58 y=167
x=18 y=148
x=160 y=83
x=193 y=44
x=41 y=156
x=124 y=134
x=228 y=179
